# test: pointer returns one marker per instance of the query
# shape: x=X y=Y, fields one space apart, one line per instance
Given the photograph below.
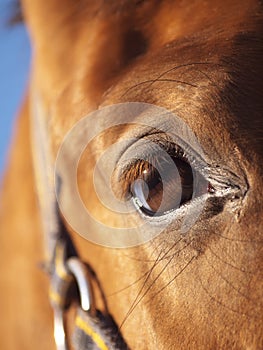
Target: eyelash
x=134 y=169
x=209 y=180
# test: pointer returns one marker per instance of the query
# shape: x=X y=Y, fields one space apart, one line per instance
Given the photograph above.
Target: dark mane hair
x=16 y=13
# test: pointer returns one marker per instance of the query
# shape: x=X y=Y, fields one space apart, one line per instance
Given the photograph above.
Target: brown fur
x=211 y=294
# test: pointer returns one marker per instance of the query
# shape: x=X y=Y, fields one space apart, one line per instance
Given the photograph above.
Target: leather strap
x=69 y=276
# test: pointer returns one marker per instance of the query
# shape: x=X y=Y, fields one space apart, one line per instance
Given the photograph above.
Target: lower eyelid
x=174 y=215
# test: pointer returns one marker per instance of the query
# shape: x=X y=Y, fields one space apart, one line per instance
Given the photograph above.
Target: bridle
x=71 y=280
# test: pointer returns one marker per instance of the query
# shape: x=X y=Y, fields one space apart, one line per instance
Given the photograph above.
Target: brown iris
x=160 y=186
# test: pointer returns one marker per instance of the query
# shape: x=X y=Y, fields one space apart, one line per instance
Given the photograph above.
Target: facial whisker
x=171 y=281
x=139 y=298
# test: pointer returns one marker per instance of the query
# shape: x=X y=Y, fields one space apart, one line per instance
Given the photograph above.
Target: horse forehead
x=100 y=42
x=203 y=52
x=210 y=62
x=182 y=16
x=130 y=28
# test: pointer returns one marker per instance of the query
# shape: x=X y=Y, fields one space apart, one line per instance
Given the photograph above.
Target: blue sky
x=14 y=68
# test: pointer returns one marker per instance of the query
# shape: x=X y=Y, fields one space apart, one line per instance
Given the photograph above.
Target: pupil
x=186 y=178
x=155 y=189
x=149 y=187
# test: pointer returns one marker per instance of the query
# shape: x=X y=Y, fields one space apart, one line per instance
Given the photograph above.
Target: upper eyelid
x=211 y=173
x=163 y=140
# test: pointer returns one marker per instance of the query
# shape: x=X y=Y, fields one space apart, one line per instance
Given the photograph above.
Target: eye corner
x=210 y=188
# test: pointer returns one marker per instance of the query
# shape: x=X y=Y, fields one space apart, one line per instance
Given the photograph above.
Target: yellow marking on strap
x=62 y=273
x=90 y=332
x=55 y=297
x=59 y=265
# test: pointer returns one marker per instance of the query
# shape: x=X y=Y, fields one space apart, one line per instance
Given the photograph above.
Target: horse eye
x=158 y=189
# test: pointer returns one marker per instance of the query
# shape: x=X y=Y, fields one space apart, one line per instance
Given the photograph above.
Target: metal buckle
x=67 y=271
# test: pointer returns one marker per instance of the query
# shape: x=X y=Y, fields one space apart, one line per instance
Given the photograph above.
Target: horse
x=192 y=63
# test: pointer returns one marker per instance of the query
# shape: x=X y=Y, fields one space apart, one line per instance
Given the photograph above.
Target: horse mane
x=16 y=16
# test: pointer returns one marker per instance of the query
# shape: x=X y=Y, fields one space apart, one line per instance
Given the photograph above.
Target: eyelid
x=223 y=183
x=143 y=149
x=222 y=180
x=127 y=169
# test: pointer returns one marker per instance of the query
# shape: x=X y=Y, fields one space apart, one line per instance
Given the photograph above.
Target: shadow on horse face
x=162 y=101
